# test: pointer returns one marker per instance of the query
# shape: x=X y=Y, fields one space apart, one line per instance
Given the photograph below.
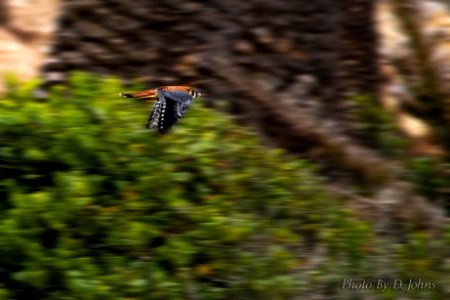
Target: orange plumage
x=153 y=95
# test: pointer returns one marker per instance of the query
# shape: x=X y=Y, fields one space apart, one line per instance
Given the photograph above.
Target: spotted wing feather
x=155 y=113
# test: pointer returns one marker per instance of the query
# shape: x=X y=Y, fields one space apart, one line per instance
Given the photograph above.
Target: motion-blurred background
x=319 y=162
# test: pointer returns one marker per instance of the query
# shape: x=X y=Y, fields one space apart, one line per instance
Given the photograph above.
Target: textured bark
x=358 y=68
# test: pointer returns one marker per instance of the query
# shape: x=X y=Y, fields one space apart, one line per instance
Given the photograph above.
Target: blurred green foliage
x=94 y=206
x=378 y=126
x=431 y=178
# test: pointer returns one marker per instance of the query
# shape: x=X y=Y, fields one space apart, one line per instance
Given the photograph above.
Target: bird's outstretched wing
x=155 y=113
x=170 y=107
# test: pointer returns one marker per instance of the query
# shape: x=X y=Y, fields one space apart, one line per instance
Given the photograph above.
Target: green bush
x=94 y=206
x=378 y=127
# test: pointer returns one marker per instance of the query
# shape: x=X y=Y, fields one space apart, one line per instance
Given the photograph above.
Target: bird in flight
x=172 y=102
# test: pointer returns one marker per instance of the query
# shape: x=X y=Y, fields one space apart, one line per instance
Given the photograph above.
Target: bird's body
x=172 y=102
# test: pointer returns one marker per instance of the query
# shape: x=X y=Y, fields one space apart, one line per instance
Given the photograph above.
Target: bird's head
x=197 y=94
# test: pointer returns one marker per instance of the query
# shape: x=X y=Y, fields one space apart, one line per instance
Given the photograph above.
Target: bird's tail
x=144 y=95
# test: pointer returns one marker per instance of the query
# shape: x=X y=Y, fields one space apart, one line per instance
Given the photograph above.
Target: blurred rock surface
x=26 y=28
